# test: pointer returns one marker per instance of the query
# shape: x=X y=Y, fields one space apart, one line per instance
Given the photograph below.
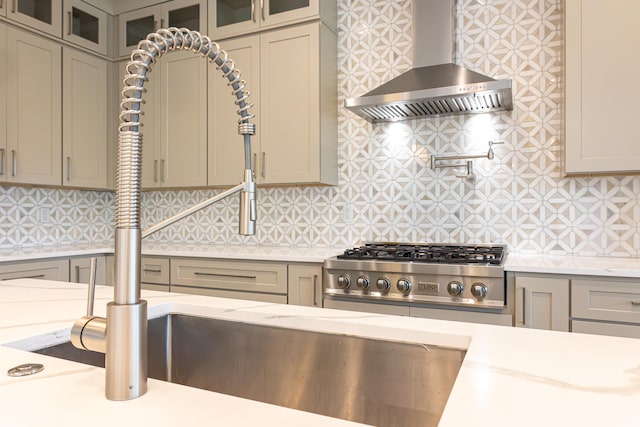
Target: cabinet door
x=34 y=100
x=290 y=82
x=191 y=14
x=233 y=17
x=183 y=120
x=226 y=147
x=3 y=8
x=84 y=125
x=542 y=303
x=43 y=15
x=601 y=135
x=135 y=26
x=305 y=285
x=155 y=270
x=46 y=270
x=80 y=270
x=281 y=12
x=3 y=106
x=85 y=26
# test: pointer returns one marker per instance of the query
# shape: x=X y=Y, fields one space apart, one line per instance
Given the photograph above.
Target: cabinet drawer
x=615 y=301
x=231 y=275
x=250 y=296
x=154 y=270
x=605 y=328
x=46 y=270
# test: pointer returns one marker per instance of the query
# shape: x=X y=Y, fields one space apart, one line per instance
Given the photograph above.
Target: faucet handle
x=93 y=265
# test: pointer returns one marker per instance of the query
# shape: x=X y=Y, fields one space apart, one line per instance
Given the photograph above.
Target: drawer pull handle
x=238 y=276
x=635 y=303
x=315 y=289
x=152 y=270
x=38 y=276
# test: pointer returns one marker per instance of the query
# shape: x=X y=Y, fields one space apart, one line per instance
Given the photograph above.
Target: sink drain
x=26 y=369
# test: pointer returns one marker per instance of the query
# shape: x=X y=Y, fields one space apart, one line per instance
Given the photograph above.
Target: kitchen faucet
x=122 y=335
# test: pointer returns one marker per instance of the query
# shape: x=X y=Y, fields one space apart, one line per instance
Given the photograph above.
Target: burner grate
x=450 y=254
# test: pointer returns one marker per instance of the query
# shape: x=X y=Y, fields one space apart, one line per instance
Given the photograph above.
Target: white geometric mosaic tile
x=387 y=190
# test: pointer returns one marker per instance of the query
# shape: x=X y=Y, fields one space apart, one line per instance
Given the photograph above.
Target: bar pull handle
x=68 y=168
x=237 y=276
x=262 y=9
x=162 y=171
x=253 y=10
x=315 y=289
x=77 y=274
x=161 y=22
x=1 y=150
x=70 y=23
x=155 y=171
x=14 y=162
x=635 y=303
x=155 y=25
x=93 y=267
x=520 y=307
x=37 y=276
x=13 y=6
x=152 y=270
x=263 y=165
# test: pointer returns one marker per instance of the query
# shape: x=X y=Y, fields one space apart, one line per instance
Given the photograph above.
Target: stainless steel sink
x=383 y=383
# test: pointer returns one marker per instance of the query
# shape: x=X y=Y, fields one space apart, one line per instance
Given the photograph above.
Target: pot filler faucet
x=122 y=336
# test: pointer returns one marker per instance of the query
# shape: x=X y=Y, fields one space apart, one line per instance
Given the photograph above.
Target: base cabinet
x=305 y=284
x=44 y=270
x=80 y=270
x=542 y=302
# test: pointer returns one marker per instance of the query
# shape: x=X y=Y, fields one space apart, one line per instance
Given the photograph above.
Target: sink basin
x=371 y=381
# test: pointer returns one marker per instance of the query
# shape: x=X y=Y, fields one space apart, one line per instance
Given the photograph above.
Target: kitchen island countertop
x=510 y=376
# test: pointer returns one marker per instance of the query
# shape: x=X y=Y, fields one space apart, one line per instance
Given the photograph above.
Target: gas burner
x=428 y=253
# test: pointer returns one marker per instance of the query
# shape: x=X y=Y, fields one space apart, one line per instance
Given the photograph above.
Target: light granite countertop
x=510 y=376
x=516 y=262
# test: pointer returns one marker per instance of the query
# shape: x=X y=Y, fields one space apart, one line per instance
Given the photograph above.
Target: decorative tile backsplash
x=387 y=190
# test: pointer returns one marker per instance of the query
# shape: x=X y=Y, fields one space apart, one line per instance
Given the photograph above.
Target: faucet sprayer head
x=248 y=211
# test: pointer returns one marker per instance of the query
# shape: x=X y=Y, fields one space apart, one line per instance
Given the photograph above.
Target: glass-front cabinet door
x=85 y=26
x=43 y=15
x=229 y=18
x=135 y=25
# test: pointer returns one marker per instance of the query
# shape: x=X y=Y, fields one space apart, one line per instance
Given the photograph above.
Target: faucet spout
x=125 y=330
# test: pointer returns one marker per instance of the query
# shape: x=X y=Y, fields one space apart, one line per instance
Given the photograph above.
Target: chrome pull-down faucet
x=122 y=336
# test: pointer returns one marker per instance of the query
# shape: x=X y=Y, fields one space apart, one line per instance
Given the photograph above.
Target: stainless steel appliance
x=446 y=281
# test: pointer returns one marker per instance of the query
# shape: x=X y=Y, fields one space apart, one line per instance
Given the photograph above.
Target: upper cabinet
x=85 y=26
x=84 y=114
x=136 y=25
x=228 y=18
x=33 y=118
x=295 y=104
x=601 y=136
x=43 y=15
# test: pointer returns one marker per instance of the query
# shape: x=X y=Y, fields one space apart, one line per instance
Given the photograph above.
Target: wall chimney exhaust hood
x=434 y=86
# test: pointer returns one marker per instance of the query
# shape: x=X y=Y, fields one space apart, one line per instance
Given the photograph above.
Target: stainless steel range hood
x=434 y=86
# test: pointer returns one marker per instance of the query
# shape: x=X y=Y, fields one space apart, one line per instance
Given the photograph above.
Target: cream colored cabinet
x=606 y=306
x=33 y=115
x=252 y=280
x=229 y=18
x=84 y=148
x=155 y=273
x=85 y=26
x=43 y=15
x=542 y=302
x=45 y=270
x=296 y=105
x=305 y=284
x=80 y=270
x=3 y=106
x=601 y=135
x=136 y=25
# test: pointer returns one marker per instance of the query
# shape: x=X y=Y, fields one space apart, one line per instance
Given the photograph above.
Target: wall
x=387 y=190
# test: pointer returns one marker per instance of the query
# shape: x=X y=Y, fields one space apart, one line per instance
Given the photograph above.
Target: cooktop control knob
x=404 y=285
x=479 y=290
x=383 y=284
x=362 y=283
x=344 y=281
x=455 y=288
